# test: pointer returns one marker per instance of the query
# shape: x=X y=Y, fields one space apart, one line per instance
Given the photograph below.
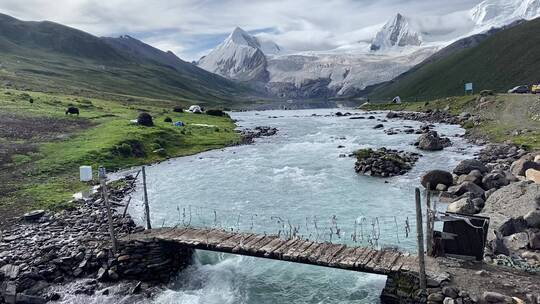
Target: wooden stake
x=429 y=223
x=420 y=240
x=146 y=207
x=103 y=182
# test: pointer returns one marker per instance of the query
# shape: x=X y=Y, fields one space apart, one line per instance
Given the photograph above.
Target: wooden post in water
x=103 y=181
x=420 y=240
x=429 y=223
x=146 y=207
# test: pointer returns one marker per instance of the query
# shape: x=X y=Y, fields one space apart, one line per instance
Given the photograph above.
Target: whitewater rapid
x=300 y=177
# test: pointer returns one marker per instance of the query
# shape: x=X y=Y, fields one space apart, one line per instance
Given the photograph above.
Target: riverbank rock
x=523 y=164
x=437 y=177
x=75 y=244
x=533 y=175
x=463 y=206
x=431 y=116
x=475 y=176
x=467 y=187
x=384 y=162
x=507 y=206
x=467 y=165
x=431 y=141
x=494 y=180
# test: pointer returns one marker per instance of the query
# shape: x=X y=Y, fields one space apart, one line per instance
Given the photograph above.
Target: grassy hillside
x=45 y=56
x=508 y=58
x=515 y=118
x=41 y=148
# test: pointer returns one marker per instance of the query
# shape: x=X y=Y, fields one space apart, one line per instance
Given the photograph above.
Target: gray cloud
x=191 y=27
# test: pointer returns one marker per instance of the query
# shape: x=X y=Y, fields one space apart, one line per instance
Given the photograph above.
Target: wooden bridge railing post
x=429 y=222
x=420 y=240
x=103 y=181
x=146 y=206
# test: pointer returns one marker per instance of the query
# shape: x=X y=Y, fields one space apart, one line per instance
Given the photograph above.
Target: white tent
x=195 y=109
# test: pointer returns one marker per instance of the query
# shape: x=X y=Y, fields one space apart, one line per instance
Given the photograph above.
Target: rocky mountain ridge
x=398 y=46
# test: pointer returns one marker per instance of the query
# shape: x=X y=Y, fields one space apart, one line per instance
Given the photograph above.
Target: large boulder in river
x=436 y=177
x=507 y=207
x=431 y=141
x=520 y=166
x=467 y=165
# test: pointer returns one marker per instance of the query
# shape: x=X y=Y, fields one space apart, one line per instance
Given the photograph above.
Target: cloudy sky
x=191 y=27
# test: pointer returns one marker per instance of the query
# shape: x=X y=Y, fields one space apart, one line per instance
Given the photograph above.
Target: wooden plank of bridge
x=298 y=250
x=330 y=253
x=388 y=261
x=303 y=258
x=383 y=263
x=263 y=242
x=198 y=237
x=168 y=234
x=294 y=253
x=398 y=264
x=278 y=253
x=228 y=244
x=320 y=251
x=347 y=257
x=269 y=248
x=243 y=247
x=216 y=237
x=375 y=259
x=364 y=259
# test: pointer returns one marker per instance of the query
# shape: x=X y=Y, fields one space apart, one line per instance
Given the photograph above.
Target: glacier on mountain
x=316 y=74
x=496 y=13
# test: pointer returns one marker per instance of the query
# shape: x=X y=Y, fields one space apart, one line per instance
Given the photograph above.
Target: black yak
x=72 y=110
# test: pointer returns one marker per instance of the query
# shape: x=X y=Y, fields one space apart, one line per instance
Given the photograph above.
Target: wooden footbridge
x=362 y=259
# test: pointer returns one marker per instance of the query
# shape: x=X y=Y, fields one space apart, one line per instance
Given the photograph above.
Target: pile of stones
x=384 y=162
x=249 y=135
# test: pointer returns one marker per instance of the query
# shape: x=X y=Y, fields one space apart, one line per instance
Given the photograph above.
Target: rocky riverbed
x=499 y=183
x=44 y=250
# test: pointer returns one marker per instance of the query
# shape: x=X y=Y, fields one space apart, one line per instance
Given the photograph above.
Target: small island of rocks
x=384 y=162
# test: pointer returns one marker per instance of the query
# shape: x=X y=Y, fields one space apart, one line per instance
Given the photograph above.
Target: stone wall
x=148 y=260
x=402 y=288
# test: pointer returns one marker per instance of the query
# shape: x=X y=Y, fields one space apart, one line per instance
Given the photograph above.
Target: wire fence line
x=374 y=231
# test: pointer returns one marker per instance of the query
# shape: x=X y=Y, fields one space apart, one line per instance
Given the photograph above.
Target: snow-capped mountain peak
x=241 y=37
x=396 y=32
x=495 y=13
x=241 y=56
